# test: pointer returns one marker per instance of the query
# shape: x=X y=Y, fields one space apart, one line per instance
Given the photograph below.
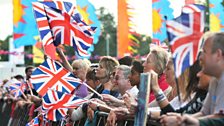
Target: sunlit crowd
x=195 y=98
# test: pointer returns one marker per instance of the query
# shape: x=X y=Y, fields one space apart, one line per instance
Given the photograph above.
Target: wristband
x=160 y=96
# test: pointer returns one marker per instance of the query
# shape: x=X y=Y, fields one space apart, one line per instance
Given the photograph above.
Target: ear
x=97 y=82
x=219 y=54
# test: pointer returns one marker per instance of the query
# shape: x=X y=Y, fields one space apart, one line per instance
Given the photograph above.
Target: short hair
x=91 y=74
x=84 y=63
x=28 y=67
x=218 y=42
x=126 y=60
x=19 y=77
x=137 y=66
x=126 y=70
x=109 y=63
x=161 y=58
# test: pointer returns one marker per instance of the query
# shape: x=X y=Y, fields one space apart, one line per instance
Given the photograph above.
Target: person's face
x=207 y=58
x=78 y=71
x=149 y=63
x=134 y=77
x=120 y=80
x=203 y=80
x=91 y=83
x=101 y=71
x=169 y=72
x=29 y=72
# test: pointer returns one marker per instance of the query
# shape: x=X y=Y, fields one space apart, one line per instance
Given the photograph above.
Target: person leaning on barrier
x=79 y=68
x=104 y=72
x=124 y=86
x=156 y=60
x=134 y=78
x=212 y=58
x=93 y=82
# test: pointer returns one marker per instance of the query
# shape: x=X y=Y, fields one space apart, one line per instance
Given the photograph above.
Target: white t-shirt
x=214 y=101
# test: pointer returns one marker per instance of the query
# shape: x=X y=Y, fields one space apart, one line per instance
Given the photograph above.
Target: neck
x=125 y=89
x=219 y=70
x=218 y=74
x=104 y=80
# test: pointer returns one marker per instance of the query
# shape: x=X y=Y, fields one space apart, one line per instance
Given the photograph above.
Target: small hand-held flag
x=51 y=74
x=57 y=103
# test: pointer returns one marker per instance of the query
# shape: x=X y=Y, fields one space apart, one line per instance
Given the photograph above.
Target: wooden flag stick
x=93 y=90
x=28 y=83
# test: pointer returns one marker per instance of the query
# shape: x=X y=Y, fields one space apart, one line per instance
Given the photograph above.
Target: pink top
x=162 y=84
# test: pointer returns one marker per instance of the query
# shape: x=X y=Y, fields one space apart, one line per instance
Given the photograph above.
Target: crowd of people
x=193 y=99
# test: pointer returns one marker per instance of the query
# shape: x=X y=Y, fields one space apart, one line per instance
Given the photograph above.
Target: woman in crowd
x=104 y=73
x=156 y=61
x=197 y=87
x=79 y=68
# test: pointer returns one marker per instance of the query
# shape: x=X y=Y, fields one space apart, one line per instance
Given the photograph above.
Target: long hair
x=193 y=79
x=161 y=59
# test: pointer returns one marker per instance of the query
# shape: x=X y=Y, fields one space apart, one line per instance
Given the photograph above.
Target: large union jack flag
x=51 y=74
x=70 y=30
x=16 y=88
x=62 y=24
x=33 y=122
x=41 y=17
x=57 y=103
x=184 y=34
x=64 y=5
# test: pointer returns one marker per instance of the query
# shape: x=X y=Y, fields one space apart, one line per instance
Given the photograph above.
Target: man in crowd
x=212 y=59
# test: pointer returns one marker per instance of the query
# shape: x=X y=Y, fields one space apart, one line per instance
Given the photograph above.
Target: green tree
x=4 y=46
x=108 y=28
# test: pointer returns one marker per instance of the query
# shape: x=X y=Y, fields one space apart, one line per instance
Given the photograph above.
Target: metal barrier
x=20 y=117
x=12 y=115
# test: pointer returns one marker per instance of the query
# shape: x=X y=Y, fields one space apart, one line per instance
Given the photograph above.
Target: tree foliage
x=108 y=27
x=4 y=46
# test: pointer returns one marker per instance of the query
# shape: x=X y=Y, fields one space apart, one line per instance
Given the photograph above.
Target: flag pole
x=93 y=90
x=176 y=80
x=207 y=18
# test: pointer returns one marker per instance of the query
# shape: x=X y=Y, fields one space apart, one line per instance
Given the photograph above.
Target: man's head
x=136 y=70
x=121 y=78
x=28 y=71
x=212 y=56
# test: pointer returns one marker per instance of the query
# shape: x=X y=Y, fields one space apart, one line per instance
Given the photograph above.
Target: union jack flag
x=33 y=122
x=41 y=17
x=190 y=8
x=184 y=34
x=16 y=88
x=56 y=104
x=51 y=74
x=65 y=5
x=63 y=25
x=70 y=30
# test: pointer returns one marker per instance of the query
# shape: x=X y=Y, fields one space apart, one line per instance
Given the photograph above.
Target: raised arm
x=65 y=62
